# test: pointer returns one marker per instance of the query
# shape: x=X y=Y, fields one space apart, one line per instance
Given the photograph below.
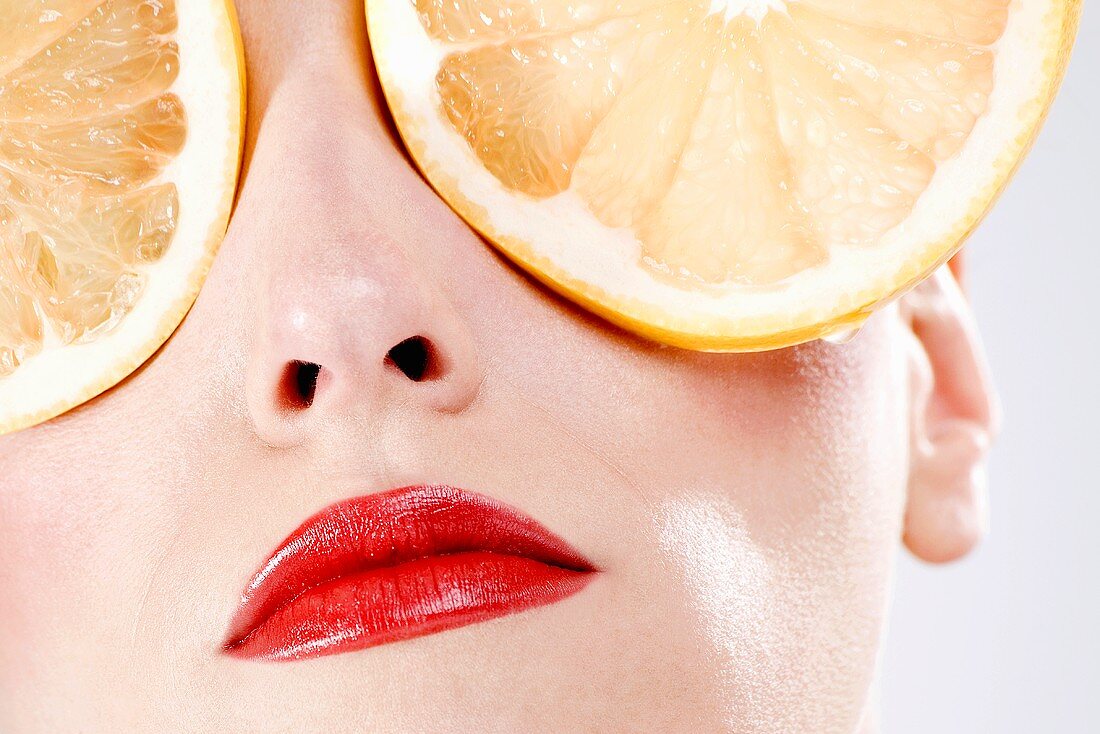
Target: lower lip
x=412 y=599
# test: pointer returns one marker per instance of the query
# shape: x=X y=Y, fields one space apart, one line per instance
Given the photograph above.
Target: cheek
x=780 y=528
x=60 y=532
x=86 y=520
x=772 y=488
x=801 y=440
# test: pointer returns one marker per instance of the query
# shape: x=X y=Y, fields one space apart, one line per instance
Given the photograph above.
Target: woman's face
x=742 y=510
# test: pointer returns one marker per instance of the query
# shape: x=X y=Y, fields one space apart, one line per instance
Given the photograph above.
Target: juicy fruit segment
x=857 y=177
x=732 y=216
x=86 y=127
x=739 y=142
x=534 y=156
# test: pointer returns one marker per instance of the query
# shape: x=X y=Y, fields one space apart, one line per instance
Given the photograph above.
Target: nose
x=351 y=315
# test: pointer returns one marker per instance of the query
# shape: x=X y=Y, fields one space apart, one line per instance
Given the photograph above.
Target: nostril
x=299 y=385
x=415 y=358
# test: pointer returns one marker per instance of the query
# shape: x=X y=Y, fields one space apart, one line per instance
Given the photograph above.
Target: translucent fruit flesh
x=738 y=141
x=86 y=127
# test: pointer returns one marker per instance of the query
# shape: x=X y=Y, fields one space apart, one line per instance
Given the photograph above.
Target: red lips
x=396 y=565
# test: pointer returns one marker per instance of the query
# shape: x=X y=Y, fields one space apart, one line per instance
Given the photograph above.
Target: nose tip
x=354 y=308
x=332 y=346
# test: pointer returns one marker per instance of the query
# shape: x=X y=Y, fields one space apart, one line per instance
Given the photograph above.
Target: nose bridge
x=338 y=288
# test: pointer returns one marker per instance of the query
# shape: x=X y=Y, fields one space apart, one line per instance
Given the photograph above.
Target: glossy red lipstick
x=399 y=564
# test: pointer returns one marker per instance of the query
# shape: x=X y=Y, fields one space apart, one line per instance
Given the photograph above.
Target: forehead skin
x=743 y=508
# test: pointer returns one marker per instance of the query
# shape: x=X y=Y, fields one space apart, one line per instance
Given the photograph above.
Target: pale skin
x=745 y=510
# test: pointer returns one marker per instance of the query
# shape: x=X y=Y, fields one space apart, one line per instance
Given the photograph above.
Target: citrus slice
x=724 y=175
x=120 y=140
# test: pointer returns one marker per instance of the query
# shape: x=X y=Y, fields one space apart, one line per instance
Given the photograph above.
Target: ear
x=955 y=417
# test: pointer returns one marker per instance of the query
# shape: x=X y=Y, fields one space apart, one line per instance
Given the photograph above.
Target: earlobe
x=954 y=419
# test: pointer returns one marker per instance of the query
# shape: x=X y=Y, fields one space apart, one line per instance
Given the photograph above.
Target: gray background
x=1008 y=640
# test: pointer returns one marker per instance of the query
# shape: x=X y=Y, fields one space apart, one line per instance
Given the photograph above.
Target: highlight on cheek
x=728 y=583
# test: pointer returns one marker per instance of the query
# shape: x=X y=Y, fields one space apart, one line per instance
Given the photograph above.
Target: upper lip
x=386 y=529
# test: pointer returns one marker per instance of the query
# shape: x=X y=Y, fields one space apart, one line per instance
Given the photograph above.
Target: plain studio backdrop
x=1008 y=640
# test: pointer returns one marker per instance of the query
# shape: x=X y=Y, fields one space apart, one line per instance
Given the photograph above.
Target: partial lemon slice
x=120 y=140
x=726 y=175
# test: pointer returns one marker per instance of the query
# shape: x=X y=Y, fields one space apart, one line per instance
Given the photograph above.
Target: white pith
x=569 y=237
x=755 y=9
x=210 y=97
